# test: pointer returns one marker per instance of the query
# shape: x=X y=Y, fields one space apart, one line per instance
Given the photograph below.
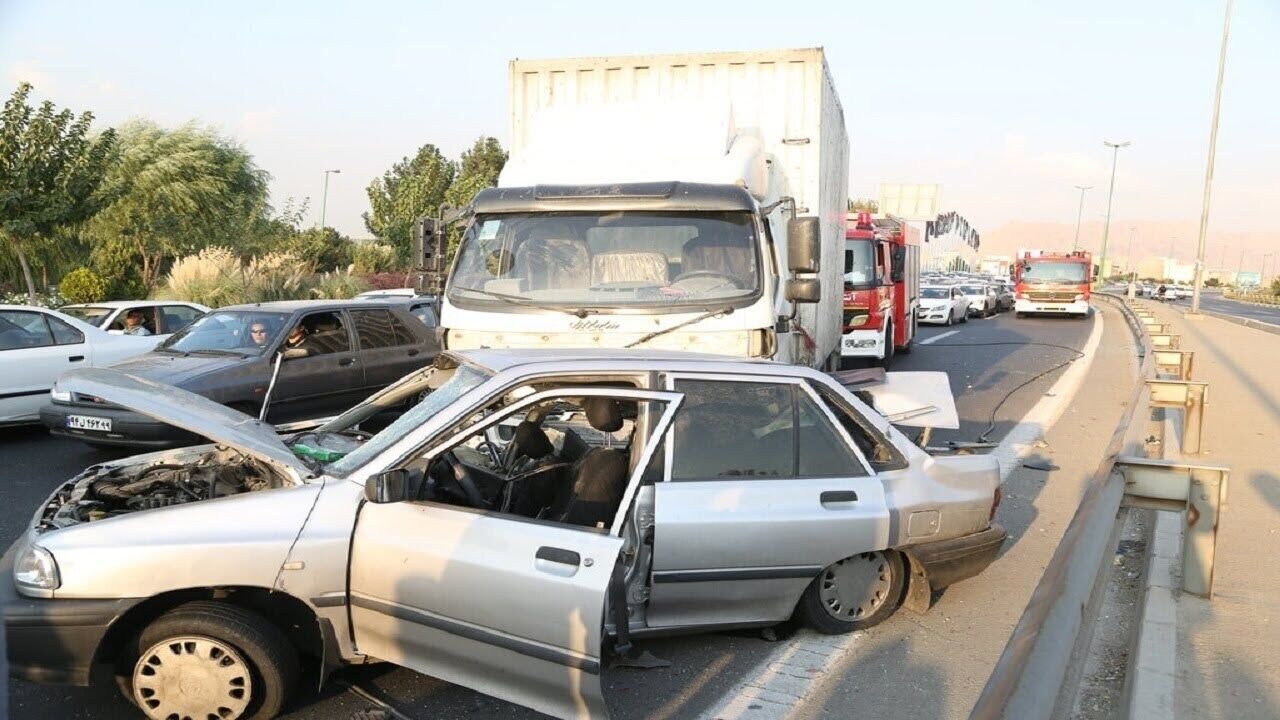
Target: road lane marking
x=939 y=336
x=783 y=681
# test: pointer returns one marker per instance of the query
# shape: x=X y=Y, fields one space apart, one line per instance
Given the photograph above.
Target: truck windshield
x=859 y=263
x=607 y=259
x=1053 y=272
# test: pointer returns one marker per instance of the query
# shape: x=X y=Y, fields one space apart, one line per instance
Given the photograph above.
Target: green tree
x=478 y=169
x=325 y=248
x=50 y=171
x=170 y=193
x=412 y=188
x=83 y=285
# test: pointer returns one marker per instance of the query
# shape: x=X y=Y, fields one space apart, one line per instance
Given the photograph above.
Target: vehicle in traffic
x=943 y=305
x=1004 y=296
x=422 y=307
x=651 y=215
x=983 y=301
x=881 y=288
x=1052 y=283
x=159 y=318
x=585 y=487
x=37 y=345
x=302 y=359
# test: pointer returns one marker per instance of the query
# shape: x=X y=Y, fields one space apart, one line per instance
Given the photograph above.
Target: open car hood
x=914 y=399
x=190 y=412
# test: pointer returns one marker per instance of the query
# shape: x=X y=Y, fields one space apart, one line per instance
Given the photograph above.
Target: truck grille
x=1051 y=296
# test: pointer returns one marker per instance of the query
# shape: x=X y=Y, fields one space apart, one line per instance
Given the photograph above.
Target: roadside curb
x=1247 y=322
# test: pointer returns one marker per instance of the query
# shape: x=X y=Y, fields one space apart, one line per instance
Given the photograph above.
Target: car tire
x=951 y=316
x=1019 y=315
x=853 y=594
x=209 y=634
x=965 y=317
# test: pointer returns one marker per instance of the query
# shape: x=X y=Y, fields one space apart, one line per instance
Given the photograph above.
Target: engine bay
x=111 y=490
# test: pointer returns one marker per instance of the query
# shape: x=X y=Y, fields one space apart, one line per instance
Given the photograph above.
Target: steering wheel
x=462 y=478
x=694 y=274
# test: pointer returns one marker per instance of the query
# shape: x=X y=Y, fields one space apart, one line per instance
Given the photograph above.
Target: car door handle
x=75 y=358
x=558 y=555
x=414 y=352
x=836 y=496
x=344 y=362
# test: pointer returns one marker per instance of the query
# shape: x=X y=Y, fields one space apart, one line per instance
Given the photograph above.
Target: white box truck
x=685 y=202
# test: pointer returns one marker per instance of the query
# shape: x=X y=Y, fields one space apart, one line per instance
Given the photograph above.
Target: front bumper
x=128 y=429
x=53 y=640
x=947 y=562
x=1079 y=307
x=934 y=314
x=862 y=343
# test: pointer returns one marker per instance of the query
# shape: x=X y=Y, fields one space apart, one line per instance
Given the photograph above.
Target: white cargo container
x=644 y=203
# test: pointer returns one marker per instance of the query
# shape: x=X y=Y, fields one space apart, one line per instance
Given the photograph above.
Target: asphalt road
x=986 y=359
x=1216 y=303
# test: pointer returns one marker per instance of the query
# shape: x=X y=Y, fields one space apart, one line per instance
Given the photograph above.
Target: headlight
x=1079 y=297
x=60 y=395
x=36 y=569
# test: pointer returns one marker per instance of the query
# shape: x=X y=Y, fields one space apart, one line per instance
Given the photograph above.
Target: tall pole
x=324 y=199
x=1075 y=243
x=1240 y=268
x=1106 y=228
x=1128 y=256
x=1208 y=172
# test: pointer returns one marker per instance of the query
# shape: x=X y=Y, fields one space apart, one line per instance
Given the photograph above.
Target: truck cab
x=1052 y=283
x=881 y=289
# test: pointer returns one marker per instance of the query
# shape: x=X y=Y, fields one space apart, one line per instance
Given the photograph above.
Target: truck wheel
x=911 y=341
x=887 y=360
x=854 y=593
x=209 y=659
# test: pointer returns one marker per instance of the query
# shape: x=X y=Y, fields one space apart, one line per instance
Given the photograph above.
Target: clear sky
x=1005 y=103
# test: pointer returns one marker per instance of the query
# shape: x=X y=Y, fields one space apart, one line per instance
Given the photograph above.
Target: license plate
x=87 y=422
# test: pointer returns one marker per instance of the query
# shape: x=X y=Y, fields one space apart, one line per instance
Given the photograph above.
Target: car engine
x=106 y=491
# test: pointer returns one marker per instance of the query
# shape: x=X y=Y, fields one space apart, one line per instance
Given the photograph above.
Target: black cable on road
x=992 y=426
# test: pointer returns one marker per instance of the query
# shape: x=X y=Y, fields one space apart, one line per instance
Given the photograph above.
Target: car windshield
x=248 y=332
x=935 y=293
x=465 y=379
x=974 y=290
x=607 y=259
x=1053 y=272
x=95 y=316
x=859 y=263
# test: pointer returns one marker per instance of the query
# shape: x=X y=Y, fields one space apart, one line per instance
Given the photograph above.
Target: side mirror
x=808 y=290
x=804 y=244
x=293 y=353
x=386 y=487
x=898 y=259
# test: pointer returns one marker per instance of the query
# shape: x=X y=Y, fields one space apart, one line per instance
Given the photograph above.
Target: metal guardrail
x=1030 y=673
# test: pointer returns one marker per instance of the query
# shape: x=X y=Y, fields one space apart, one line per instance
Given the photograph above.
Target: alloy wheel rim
x=192 y=678
x=855 y=587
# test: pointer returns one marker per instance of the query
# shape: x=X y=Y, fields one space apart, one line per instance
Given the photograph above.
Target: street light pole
x=1079 y=213
x=1106 y=228
x=1208 y=173
x=324 y=199
x=1128 y=256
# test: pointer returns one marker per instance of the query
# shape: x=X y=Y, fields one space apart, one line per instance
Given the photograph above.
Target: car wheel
x=964 y=317
x=245 y=666
x=951 y=316
x=854 y=593
x=1019 y=315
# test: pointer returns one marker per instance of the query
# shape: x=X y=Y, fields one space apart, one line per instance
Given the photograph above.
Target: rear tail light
x=995 y=504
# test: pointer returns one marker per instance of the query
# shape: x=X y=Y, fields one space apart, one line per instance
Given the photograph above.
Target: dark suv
x=333 y=354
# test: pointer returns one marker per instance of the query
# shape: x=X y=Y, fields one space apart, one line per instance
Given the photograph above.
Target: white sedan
x=943 y=305
x=162 y=318
x=37 y=345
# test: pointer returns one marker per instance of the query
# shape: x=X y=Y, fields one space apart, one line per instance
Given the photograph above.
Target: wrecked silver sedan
x=526 y=521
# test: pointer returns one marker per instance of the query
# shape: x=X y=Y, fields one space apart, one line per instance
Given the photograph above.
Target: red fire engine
x=1052 y=283
x=881 y=288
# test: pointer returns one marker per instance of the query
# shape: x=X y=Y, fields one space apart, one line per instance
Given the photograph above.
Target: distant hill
x=1152 y=238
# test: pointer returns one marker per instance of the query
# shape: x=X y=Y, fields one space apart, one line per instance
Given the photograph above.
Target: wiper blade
x=728 y=310
x=525 y=302
x=216 y=351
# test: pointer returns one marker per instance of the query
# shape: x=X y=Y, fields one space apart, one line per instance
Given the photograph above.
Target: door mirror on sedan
x=807 y=290
x=387 y=487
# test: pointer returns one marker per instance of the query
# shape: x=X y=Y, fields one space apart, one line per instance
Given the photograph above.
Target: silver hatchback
x=533 y=514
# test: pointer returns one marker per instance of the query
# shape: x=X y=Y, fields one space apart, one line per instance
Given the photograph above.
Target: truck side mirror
x=898 y=259
x=807 y=290
x=804 y=244
x=386 y=487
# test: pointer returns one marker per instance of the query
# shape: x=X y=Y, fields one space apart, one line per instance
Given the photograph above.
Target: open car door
x=509 y=606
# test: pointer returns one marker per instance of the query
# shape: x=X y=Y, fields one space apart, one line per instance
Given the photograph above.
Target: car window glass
x=325 y=333
x=822 y=453
x=20 y=329
x=374 y=329
x=425 y=314
x=64 y=334
x=177 y=317
x=733 y=429
x=148 y=319
x=880 y=453
x=404 y=336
